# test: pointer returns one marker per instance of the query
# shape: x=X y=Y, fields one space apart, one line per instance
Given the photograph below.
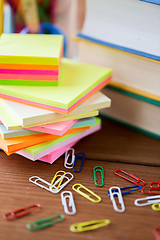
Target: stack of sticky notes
x=42 y=122
x=30 y=59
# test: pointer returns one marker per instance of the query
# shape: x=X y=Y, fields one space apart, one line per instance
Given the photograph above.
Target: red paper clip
x=156 y=233
x=137 y=182
x=152 y=188
x=21 y=212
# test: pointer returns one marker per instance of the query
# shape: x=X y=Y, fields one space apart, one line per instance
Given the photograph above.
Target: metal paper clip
x=67 y=177
x=67 y=155
x=156 y=233
x=79 y=186
x=79 y=155
x=36 y=179
x=46 y=222
x=57 y=175
x=113 y=192
x=156 y=206
x=71 y=204
x=135 y=188
x=87 y=226
x=95 y=170
x=138 y=180
x=151 y=200
x=152 y=188
x=21 y=212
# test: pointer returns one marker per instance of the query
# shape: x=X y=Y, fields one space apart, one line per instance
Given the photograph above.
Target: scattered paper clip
x=21 y=212
x=87 y=226
x=149 y=201
x=66 y=177
x=152 y=189
x=101 y=170
x=68 y=164
x=137 y=182
x=79 y=155
x=57 y=175
x=35 y=180
x=68 y=195
x=133 y=188
x=46 y=222
x=76 y=187
x=156 y=206
x=113 y=192
x=156 y=233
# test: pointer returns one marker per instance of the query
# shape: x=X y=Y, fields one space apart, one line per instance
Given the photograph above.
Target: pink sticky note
x=53 y=156
x=55 y=128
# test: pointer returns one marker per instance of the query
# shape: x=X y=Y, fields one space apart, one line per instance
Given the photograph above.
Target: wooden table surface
x=114 y=147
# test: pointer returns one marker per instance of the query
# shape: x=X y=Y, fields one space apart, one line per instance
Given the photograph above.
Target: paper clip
x=67 y=177
x=113 y=192
x=36 y=179
x=155 y=190
x=71 y=204
x=46 y=222
x=156 y=233
x=87 y=226
x=98 y=199
x=135 y=188
x=95 y=170
x=57 y=175
x=21 y=212
x=137 y=182
x=67 y=155
x=156 y=206
x=79 y=155
x=151 y=200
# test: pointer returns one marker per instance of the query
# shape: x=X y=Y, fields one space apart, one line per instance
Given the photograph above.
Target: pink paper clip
x=156 y=233
x=137 y=182
x=152 y=189
x=21 y=212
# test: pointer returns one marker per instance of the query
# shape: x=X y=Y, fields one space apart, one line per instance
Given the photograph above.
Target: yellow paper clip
x=55 y=178
x=87 y=226
x=156 y=206
x=98 y=199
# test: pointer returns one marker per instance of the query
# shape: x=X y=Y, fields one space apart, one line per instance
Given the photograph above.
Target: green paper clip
x=46 y=222
x=95 y=170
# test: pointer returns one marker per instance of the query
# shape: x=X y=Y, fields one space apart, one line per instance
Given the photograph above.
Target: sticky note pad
x=30 y=59
x=77 y=82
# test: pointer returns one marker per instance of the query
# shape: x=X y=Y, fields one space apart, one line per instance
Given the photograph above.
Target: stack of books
x=125 y=35
x=40 y=122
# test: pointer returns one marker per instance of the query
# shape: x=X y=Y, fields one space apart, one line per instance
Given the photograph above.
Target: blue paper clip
x=79 y=155
x=138 y=187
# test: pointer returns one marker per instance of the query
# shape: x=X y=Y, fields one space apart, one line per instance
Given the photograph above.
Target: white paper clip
x=35 y=180
x=71 y=204
x=67 y=178
x=151 y=200
x=115 y=191
x=67 y=156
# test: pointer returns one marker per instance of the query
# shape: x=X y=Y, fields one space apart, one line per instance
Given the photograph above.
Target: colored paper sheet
x=30 y=67
x=40 y=150
x=12 y=145
x=55 y=128
x=77 y=82
x=53 y=156
x=38 y=49
x=27 y=116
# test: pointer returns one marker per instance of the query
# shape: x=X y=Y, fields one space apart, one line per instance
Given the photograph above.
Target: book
x=133 y=112
x=136 y=74
x=16 y=115
x=35 y=51
x=77 y=82
x=132 y=26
